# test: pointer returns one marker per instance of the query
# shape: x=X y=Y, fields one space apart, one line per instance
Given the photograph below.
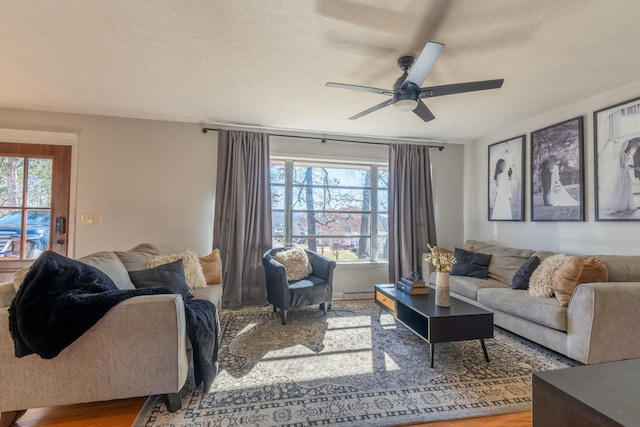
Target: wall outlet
x=91 y=219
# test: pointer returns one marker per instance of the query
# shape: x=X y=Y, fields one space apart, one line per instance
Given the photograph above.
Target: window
x=335 y=209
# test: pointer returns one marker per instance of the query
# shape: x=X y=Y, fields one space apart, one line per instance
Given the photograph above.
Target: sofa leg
x=8 y=418
x=172 y=401
x=275 y=309
x=323 y=307
x=284 y=316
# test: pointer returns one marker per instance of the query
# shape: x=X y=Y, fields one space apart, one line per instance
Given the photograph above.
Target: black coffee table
x=460 y=322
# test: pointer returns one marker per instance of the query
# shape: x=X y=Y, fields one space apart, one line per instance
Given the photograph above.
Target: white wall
x=588 y=237
x=152 y=181
x=356 y=280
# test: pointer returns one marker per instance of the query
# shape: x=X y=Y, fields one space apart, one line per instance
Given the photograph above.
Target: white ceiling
x=265 y=62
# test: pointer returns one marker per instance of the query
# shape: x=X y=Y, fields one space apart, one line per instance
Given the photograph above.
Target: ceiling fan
x=407 y=94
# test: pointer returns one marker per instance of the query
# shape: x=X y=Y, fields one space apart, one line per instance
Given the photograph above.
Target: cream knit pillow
x=540 y=284
x=192 y=269
x=296 y=262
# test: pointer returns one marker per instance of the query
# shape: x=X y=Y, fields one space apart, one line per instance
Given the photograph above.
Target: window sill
x=363 y=263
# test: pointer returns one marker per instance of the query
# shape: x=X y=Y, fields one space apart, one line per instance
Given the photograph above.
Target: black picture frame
x=506 y=167
x=557 y=172
x=616 y=134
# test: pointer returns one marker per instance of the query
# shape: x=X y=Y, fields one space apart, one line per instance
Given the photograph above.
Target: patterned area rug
x=351 y=369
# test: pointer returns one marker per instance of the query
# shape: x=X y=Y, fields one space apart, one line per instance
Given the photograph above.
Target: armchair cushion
x=310 y=290
x=307 y=281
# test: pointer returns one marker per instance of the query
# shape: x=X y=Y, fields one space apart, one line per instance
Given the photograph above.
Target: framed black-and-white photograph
x=557 y=177
x=506 y=183
x=617 y=162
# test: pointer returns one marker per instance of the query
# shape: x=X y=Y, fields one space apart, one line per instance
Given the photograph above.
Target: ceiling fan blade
x=360 y=88
x=423 y=112
x=430 y=92
x=372 y=109
x=424 y=64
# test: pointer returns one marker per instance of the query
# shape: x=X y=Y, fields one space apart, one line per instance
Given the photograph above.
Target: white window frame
x=288 y=211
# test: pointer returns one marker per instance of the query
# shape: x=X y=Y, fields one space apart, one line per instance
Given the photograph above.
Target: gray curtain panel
x=242 y=220
x=411 y=217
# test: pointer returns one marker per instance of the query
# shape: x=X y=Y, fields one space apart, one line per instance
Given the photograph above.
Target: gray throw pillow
x=471 y=264
x=522 y=276
x=170 y=276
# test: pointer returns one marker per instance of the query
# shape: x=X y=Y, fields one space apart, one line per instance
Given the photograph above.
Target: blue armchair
x=317 y=288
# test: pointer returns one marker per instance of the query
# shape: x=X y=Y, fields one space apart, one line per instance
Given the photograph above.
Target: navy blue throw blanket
x=61 y=298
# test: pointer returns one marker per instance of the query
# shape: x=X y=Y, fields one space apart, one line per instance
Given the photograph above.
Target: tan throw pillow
x=212 y=267
x=441 y=251
x=296 y=262
x=575 y=272
x=542 y=277
x=192 y=270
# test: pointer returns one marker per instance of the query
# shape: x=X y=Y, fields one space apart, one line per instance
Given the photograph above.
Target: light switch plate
x=91 y=219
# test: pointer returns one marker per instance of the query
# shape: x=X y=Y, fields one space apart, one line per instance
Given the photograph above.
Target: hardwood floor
x=121 y=413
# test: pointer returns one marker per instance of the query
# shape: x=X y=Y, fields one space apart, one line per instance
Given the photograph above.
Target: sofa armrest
x=603 y=323
x=7 y=294
x=137 y=349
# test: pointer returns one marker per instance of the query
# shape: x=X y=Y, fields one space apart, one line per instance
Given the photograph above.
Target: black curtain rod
x=324 y=139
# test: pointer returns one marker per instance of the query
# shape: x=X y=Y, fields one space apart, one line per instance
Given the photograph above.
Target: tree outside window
x=336 y=209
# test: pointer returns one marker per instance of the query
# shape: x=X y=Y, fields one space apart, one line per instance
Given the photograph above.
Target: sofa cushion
x=622 y=268
x=576 y=271
x=544 y=254
x=505 y=262
x=543 y=311
x=109 y=264
x=542 y=278
x=522 y=276
x=212 y=293
x=192 y=269
x=136 y=258
x=470 y=264
x=212 y=267
x=170 y=276
x=469 y=286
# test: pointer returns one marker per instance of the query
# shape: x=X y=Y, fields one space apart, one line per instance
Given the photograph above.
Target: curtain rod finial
x=205 y=130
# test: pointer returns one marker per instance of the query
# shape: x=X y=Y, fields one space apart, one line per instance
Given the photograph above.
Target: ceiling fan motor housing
x=405 y=98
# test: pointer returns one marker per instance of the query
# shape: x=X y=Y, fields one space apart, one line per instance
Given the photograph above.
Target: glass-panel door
x=34 y=203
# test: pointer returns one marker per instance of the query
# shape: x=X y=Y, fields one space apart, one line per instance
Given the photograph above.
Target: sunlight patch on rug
x=351 y=368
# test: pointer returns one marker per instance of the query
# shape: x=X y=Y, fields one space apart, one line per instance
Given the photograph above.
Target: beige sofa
x=601 y=323
x=138 y=348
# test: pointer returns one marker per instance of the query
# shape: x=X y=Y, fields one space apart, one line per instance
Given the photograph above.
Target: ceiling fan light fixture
x=406 y=104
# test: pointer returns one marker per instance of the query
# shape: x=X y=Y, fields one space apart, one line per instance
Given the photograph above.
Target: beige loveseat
x=600 y=324
x=138 y=348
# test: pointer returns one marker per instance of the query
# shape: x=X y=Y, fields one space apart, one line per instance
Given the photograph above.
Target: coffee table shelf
x=459 y=322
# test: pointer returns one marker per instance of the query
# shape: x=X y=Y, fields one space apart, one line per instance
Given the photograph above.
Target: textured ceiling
x=265 y=62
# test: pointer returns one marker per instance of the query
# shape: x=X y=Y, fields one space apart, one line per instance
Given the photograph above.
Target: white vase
x=443 y=299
